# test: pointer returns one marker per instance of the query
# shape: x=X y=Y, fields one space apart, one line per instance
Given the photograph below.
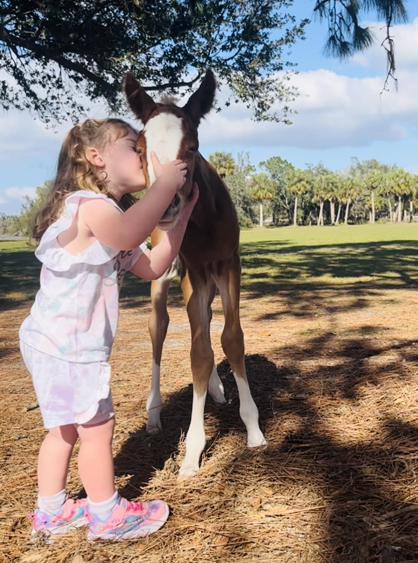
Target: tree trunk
x=337 y=220
x=399 y=210
x=321 y=214
x=411 y=211
x=373 y=209
x=390 y=210
x=347 y=209
x=405 y=215
x=370 y=215
x=332 y=210
x=295 y=213
x=261 y=214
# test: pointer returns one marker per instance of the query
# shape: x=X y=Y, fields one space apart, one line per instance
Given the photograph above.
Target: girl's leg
x=54 y=457
x=95 y=460
x=110 y=516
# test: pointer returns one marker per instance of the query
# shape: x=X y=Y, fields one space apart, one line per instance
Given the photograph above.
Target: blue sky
x=341 y=114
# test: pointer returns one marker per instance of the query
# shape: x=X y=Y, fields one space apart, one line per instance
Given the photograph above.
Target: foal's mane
x=168 y=100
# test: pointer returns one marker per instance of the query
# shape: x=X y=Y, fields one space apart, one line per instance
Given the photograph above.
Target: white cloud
x=19 y=193
x=333 y=111
x=12 y=198
x=406 y=47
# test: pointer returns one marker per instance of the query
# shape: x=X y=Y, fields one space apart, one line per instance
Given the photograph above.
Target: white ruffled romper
x=67 y=338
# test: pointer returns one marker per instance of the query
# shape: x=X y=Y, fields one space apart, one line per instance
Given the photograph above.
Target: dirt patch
x=334 y=375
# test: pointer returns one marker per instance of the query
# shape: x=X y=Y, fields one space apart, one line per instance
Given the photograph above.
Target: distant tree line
x=367 y=191
x=21 y=224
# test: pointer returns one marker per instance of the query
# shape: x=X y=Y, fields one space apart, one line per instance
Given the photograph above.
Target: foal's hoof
x=257 y=442
x=188 y=470
x=218 y=398
x=151 y=429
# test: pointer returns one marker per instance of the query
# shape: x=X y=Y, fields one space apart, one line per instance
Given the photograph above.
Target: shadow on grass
x=300 y=274
x=270 y=266
x=364 y=513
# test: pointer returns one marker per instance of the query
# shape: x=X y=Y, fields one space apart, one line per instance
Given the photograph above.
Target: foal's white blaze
x=163 y=134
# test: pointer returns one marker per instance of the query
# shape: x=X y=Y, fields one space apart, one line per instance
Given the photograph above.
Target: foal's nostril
x=176 y=201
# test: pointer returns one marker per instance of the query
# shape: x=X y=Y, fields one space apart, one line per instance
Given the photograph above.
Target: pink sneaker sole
x=147 y=527
x=49 y=536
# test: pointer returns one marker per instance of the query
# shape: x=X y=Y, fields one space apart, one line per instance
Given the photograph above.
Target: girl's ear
x=94 y=157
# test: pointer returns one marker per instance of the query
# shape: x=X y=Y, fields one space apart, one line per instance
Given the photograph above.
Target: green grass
x=299 y=258
x=382 y=255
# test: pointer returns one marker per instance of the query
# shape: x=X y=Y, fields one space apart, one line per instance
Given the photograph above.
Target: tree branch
x=13 y=41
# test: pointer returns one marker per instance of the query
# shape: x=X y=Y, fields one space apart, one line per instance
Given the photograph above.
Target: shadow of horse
x=143 y=453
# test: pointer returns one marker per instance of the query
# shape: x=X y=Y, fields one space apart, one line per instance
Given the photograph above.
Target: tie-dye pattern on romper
x=67 y=338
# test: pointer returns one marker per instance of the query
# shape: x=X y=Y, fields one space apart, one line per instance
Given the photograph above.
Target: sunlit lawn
x=272 y=258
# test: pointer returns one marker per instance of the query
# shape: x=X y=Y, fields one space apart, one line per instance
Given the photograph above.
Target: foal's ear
x=201 y=102
x=139 y=101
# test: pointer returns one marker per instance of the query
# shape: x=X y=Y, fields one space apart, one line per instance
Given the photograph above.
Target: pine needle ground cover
x=331 y=329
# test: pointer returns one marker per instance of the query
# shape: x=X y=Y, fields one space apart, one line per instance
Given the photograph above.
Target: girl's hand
x=174 y=172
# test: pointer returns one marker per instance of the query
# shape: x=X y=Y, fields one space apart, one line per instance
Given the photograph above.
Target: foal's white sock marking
x=195 y=440
x=154 y=401
x=163 y=134
x=249 y=414
x=216 y=388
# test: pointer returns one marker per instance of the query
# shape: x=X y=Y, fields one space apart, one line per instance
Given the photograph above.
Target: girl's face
x=123 y=166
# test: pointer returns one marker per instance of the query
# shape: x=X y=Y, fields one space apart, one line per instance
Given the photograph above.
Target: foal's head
x=170 y=132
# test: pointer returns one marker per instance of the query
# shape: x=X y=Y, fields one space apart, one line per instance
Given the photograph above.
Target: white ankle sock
x=52 y=504
x=102 y=510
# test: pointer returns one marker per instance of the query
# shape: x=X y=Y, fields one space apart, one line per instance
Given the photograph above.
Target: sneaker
x=128 y=520
x=71 y=517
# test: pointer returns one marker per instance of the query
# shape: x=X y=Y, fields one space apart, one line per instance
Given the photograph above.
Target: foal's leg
x=198 y=292
x=228 y=280
x=157 y=325
x=216 y=388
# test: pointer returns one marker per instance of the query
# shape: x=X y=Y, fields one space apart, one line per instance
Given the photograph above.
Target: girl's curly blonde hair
x=75 y=172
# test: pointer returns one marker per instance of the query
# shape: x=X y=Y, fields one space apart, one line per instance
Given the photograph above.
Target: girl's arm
x=152 y=264
x=128 y=230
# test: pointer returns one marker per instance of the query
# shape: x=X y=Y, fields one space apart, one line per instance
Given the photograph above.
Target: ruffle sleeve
x=56 y=258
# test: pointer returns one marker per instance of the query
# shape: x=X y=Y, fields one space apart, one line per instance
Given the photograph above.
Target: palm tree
x=373 y=181
x=352 y=189
x=262 y=188
x=323 y=190
x=340 y=195
x=386 y=191
x=223 y=163
x=298 y=183
x=414 y=194
x=333 y=180
x=402 y=187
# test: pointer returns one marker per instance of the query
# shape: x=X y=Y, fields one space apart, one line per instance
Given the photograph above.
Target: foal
x=208 y=258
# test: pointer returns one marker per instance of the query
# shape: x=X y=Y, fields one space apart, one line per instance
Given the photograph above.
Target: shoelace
x=134 y=506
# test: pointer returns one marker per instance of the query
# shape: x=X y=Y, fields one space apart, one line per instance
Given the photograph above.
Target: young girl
x=86 y=244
